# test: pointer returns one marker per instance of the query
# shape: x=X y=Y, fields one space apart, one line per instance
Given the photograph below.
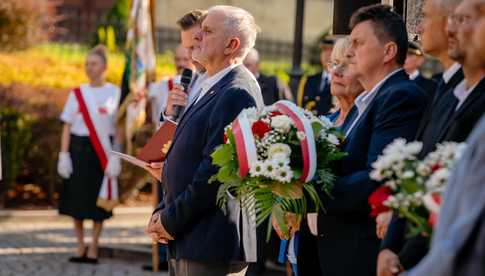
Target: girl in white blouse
x=79 y=163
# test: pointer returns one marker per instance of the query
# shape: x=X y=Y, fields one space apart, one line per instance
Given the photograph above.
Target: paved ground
x=39 y=243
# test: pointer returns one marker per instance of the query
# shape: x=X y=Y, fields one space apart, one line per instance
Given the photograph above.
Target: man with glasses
x=458 y=244
x=456 y=112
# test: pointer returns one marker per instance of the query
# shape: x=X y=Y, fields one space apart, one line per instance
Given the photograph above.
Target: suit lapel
x=398 y=76
x=477 y=92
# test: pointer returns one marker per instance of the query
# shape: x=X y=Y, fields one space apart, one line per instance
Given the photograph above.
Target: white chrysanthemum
x=269 y=169
x=279 y=148
x=423 y=169
x=301 y=135
x=256 y=169
x=332 y=139
x=280 y=161
x=284 y=174
x=376 y=175
x=282 y=123
x=438 y=180
x=391 y=184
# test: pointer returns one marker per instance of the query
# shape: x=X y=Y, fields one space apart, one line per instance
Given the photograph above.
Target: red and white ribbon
x=307 y=144
x=245 y=144
x=99 y=139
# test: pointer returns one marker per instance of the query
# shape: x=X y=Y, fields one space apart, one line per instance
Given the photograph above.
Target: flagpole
x=155 y=184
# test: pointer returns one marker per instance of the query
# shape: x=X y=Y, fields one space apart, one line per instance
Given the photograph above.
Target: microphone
x=185 y=80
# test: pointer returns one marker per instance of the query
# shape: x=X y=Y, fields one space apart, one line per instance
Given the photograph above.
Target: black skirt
x=80 y=192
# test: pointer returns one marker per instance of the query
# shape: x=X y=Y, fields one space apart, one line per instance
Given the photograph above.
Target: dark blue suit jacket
x=189 y=211
x=394 y=112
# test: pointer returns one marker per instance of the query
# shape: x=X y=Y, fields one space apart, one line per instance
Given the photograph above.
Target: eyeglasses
x=337 y=67
x=458 y=19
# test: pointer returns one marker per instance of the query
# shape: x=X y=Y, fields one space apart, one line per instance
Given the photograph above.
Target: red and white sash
x=98 y=133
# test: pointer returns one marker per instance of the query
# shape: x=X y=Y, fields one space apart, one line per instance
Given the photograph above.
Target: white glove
x=64 y=165
x=114 y=167
x=312 y=220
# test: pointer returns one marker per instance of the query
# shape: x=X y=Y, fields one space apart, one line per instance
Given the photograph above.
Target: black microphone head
x=186 y=78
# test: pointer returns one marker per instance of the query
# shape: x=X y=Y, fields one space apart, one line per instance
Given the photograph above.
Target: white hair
x=240 y=23
x=340 y=48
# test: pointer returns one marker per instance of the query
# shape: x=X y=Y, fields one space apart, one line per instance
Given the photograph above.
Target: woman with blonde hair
x=85 y=163
x=343 y=86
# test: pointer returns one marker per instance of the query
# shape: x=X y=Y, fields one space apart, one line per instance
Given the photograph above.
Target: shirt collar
x=461 y=92
x=448 y=74
x=414 y=75
x=211 y=81
x=363 y=100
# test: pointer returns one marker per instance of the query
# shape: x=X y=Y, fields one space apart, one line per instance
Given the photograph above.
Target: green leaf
x=222 y=155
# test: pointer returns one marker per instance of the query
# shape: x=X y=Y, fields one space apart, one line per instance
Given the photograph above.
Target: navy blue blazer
x=395 y=112
x=189 y=213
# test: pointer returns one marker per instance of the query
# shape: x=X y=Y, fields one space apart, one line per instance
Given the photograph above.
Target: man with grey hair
x=202 y=239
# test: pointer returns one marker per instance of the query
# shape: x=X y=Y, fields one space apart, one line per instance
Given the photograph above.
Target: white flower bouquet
x=413 y=187
x=275 y=160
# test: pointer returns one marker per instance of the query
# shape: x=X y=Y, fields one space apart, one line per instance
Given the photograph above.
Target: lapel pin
x=212 y=92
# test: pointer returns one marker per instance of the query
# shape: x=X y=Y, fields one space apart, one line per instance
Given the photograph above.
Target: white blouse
x=107 y=98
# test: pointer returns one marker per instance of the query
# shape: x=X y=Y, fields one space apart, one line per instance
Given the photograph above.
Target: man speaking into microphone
x=202 y=240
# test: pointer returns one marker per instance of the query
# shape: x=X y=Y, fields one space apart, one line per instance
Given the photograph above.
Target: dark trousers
x=348 y=256
x=191 y=268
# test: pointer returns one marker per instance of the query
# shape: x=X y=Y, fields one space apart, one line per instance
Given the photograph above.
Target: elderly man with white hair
x=202 y=239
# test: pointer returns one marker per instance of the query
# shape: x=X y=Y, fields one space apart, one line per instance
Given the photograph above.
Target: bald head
x=252 y=61
x=182 y=59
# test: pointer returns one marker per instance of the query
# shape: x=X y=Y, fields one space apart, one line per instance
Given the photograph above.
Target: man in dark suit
x=314 y=93
x=202 y=240
x=390 y=107
x=453 y=117
x=414 y=60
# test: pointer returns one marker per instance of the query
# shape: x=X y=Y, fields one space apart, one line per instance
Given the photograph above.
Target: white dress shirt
x=414 y=75
x=448 y=74
x=461 y=92
x=209 y=82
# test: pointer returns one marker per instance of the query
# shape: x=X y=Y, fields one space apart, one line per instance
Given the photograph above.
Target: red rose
x=260 y=128
x=435 y=167
x=377 y=198
x=225 y=138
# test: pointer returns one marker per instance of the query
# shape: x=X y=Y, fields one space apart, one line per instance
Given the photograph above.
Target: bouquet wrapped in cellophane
x=277 y=160
x=413 y=187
